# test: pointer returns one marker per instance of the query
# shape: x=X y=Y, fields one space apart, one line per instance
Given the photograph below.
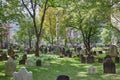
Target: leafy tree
x=25 y=34
x=32 y=12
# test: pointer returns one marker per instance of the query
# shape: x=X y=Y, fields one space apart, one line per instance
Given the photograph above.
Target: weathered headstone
x=113 y=52
x=90 y=59
x=63 y=77
x=22 y=74
x=109 y=66
x=83 y=59
x=30 y=63
x=10 y=67
x=47 y=63
x=38 y=62
x=91 y=70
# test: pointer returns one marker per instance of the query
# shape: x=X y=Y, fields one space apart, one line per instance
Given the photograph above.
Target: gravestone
x=22 y=62
x=3 y=56
x=22 y=74
x=109 y=66
x=90 y=59
x=63 y=77
x=38 y=62
x=83 y=59
x=11 y=52
x=68 y=53
x=100 y=52
x=117 y=59
x=107 y=56
x=113 y=52
x=10 y=67
x=91 y=70
x=94 y=53
x=47 y=63
x=30 y=62
x=24 y=57
x=100 y=60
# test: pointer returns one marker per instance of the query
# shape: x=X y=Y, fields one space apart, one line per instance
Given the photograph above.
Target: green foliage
x=105 y=36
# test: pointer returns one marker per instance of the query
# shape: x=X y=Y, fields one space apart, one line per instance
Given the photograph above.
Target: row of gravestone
x=23 y=74
x=108 y=66
x=91 y=59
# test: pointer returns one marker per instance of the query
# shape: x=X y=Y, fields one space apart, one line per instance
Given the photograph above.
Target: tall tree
x=33 y=4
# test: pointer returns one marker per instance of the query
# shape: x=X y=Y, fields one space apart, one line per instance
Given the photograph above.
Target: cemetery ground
x=62 y=66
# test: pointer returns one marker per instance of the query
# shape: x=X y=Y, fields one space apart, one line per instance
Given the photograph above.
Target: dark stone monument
x=83 y=59
x=100 y=52
x=63 y=77
x=22 y=62
x=100 y=60
x=109 y=66
x=94 y=52
x=117 y=59
x=24 y=57
x=90 y=59
x=3 y=56
x=68 y=53
x=11 y=52
x=107 y=56
x=38 y=62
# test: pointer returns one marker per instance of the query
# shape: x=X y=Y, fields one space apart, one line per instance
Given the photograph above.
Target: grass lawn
x=68 y=66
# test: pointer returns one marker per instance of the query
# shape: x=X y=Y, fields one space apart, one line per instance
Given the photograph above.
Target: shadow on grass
x=67 y=66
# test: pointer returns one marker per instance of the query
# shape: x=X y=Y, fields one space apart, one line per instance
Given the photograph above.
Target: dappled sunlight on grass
x=66 y=66
x=83 y=74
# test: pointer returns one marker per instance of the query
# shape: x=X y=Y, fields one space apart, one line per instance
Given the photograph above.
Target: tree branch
x=43 y=17
x=27 y=8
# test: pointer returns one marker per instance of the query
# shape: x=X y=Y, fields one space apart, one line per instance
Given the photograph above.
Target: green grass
x=68 y=66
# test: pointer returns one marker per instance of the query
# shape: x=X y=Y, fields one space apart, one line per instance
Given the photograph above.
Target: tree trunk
x=30 y=39
x=37 y=47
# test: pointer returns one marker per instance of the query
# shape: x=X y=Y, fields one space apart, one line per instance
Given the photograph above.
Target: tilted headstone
x=109 y=66
x=10 y=67
x=22 y=74
x=63 y=77
x=91 y=70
